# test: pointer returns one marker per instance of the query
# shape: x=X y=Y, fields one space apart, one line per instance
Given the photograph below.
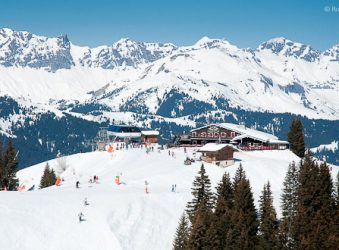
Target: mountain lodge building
x=227 y=133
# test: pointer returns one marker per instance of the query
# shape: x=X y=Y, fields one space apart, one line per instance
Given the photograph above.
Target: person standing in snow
x=146 y=187
x=173 y=155
x=86 y=202
x=172 y=188
x=77 y=184
x=81 y=217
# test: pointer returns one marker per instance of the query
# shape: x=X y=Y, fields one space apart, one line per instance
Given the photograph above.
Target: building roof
x=123 y=129
x=272 y=141
x=242 y=130
x=150 y=132
x=213 y=147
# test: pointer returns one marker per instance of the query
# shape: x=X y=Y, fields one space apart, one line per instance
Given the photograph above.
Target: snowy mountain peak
x=288 y=48
x=209 y=43
x=125 y=42
x=333 y=53
x=203 y=40
x=63 y=40
x=6 y=31
x=23 y=49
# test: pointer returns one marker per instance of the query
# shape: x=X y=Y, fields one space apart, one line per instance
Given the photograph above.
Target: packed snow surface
x=120 y=216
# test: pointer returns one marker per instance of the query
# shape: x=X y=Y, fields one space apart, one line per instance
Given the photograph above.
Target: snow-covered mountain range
x=278 y=76
x=165 y=86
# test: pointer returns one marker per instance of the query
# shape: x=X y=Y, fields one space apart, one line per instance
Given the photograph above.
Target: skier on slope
x=81 y=217
x=146 y=187
x=86 y=202
x=77 y=184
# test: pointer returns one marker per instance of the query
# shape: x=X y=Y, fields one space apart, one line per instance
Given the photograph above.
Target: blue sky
x=243 y=23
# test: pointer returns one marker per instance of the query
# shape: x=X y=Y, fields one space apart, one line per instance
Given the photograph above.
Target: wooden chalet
x=238 y=135
x=218 y=154
x=149 y=136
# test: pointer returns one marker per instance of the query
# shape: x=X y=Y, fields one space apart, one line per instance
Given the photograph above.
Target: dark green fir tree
x=182 y=234
x=289 y=201
x=199 y=239
x=48 y=177
x=202 y=194
x=244 y=220
x=9 y=167
x=268 y=229
x=296 y=137
x=314 y=226
x=222 y=212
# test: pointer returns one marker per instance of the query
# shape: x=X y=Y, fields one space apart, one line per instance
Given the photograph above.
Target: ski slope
x=119 y=216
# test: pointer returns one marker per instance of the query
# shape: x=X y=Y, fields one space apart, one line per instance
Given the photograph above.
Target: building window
x=232 y=134
x=194 y=134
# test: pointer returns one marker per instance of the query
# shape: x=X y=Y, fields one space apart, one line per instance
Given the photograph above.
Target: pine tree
x=202 y=195
x=48 y=177
x=182 y=234
x=1 y=167
x=239 y=175
x=289 y=201
x=268 y=220
x=306 y=193
x=214 y=235
x=296 y=137
x=336 y=212
x=244 y=221
x=222 y=214
x=313 y=227
x=284 y=241
x=337 y=189
x=52 y=177
x=198 y=239
x=325 y=235
x=9 y=167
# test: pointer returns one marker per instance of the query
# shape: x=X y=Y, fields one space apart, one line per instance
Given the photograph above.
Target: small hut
x=218 y=154
x=149 y=136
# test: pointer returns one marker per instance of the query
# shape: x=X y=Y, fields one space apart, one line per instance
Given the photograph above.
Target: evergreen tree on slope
x=198 y=239
x=313 y=227
x=244 y=221
x=326 y=233
x=296 y=137
x=182 y=234
x=289 y=201
x=10 y=166
x=268 y=220
x=222 y=214
x=202 y=194
x=2 y=167
x=48 y=177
